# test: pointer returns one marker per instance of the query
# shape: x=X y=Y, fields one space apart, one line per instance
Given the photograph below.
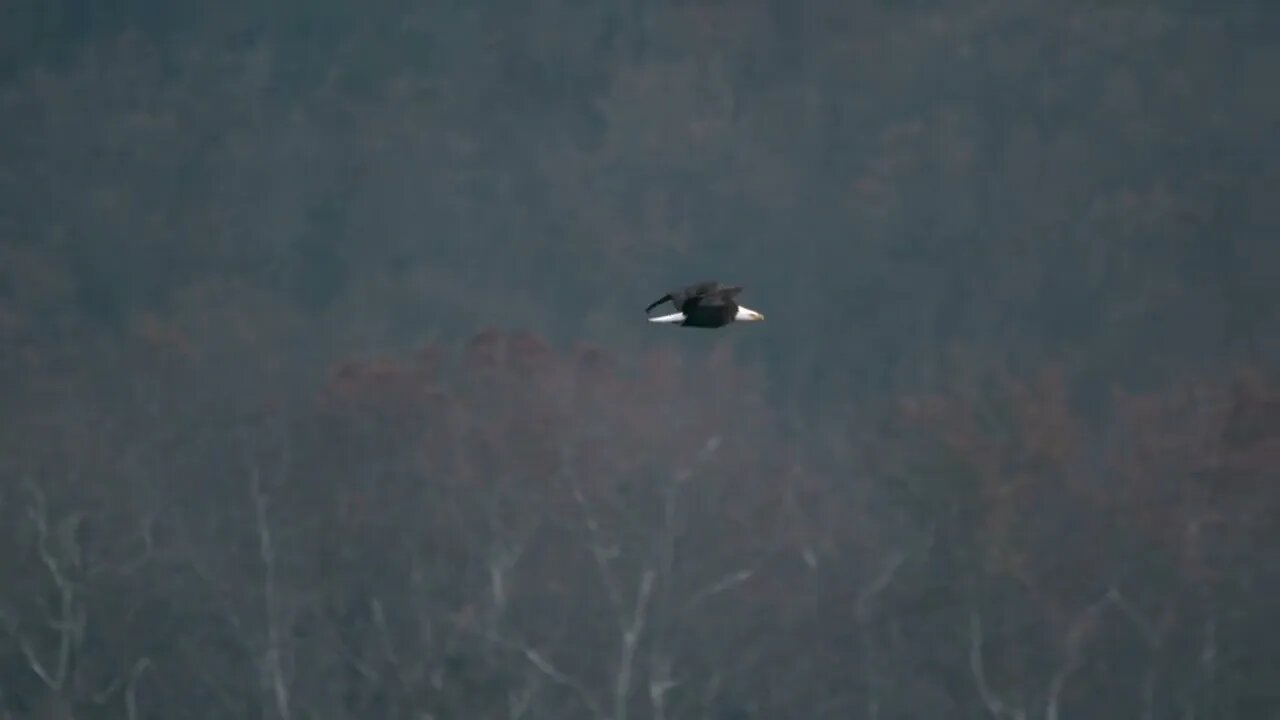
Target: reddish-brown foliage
x=1176 y=470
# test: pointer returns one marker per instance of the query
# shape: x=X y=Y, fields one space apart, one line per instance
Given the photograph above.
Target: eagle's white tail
x=673 y=318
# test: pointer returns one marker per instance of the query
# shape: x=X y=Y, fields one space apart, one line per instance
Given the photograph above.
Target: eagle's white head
x=746 y=314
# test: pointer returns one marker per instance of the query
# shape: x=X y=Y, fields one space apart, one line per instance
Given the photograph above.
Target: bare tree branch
x=1077 y=633
x=1153 y=636
x=553 y=673
x=1145 y=627
x=881 y=583
x=994 y=704
x=33 y=661
x=660 y=683
x=384 y=634
x=724 y=584
x=69 y=621
x=518 y=704
x=128 y=681
x=599 y=551
x=863 y=612
x=504 y=555
x=131 y=690
x=267 y=555
x=630 y=637
x=1074 y=646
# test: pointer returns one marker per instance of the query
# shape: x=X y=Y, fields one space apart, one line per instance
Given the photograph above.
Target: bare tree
x=52 y=642
x=276 y=652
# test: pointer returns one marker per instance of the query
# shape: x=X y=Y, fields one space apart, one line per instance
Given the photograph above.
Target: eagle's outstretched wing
x=705 y=293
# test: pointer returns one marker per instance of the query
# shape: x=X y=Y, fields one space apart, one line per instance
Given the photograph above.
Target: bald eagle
x=705 y=305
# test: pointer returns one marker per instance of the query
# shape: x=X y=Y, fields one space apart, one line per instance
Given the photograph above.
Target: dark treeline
x=327 y=391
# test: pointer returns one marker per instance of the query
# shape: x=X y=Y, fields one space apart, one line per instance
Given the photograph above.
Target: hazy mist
x=326 y=389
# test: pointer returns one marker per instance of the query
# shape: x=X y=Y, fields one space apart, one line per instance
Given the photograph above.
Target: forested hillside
x=326 y=391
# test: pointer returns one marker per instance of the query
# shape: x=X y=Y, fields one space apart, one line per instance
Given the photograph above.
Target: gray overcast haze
x=326 y=389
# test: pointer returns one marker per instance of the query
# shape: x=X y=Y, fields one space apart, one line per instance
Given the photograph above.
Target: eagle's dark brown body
x=705 y=305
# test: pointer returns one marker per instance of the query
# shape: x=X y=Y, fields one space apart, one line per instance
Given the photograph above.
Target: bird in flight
x=705 y=305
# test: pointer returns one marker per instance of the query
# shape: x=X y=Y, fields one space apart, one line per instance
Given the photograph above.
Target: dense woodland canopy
x=327 y=391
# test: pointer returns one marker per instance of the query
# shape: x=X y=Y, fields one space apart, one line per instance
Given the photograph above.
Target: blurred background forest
x=327 y=391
